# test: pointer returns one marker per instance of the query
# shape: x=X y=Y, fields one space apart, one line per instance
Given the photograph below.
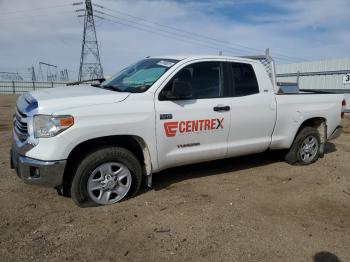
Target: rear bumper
x=37 y=172
x=336 y=133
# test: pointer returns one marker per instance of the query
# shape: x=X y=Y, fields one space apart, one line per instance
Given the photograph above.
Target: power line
x=164 y=35
x=182 y=31
x=200 y=36
x=182 y=35
x=195 y=37
x=172 y=35
x=162 y=32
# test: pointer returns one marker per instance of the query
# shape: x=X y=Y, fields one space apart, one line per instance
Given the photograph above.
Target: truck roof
x=193 y=57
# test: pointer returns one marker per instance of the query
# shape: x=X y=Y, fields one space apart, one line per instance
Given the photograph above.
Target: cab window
x=204 y=78
x=244 y=79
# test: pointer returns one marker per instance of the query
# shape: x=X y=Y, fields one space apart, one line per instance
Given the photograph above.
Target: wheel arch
x=315 y=124
x=133 y=143
x=320 y=123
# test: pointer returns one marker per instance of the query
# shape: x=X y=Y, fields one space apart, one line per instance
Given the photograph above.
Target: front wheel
x=306 y=147
x=106 y=176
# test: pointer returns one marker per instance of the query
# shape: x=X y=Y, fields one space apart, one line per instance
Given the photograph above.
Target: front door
x=194 y=129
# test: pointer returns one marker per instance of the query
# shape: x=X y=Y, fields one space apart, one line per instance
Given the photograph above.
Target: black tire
x=78 y=188
x=293 y=156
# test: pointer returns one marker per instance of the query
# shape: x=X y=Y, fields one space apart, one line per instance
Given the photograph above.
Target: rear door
x=195 y=129
x=253 y=112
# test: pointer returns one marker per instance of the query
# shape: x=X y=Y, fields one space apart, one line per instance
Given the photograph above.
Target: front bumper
x=336 y=133
x=37 y=172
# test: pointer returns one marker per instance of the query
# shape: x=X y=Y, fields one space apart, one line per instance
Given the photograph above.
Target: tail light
x=343 y=105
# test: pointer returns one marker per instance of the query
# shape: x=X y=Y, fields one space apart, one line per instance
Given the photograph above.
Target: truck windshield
x=139 y=77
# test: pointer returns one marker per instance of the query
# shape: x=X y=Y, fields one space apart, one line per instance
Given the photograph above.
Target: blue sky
x=295 y=31
x=244 y=11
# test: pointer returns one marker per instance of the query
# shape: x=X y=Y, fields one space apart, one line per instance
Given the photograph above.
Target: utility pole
x=33 y=73
x=90 y=63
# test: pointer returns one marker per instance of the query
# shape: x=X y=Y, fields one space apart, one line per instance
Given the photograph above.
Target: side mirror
x=181 y=89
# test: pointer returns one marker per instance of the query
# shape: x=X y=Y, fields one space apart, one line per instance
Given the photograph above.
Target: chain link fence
x=20 y=87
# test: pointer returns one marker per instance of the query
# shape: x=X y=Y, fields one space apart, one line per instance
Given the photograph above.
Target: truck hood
x=52 y=100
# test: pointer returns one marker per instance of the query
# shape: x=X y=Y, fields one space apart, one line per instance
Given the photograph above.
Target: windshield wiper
x=111 y=87
x=100 y=80
x=140 y=88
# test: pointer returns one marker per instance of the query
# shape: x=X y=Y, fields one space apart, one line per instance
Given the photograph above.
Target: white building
x=331 y=74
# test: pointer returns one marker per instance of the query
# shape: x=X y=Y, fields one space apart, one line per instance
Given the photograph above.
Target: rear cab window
x=244 y=80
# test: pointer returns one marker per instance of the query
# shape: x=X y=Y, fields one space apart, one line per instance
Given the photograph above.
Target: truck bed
x=294 y=109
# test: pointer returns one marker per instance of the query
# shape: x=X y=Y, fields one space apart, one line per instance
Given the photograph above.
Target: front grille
x=21 y=125
x=25 y=106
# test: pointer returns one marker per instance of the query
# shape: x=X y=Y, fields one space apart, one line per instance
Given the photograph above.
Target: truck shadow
x=330 y=148
x=171 y=176
x=325 y=257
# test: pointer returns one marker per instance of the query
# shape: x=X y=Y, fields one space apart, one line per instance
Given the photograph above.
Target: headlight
x=49 y=126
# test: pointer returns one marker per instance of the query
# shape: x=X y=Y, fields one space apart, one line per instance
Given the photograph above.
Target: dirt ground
x=254 y=208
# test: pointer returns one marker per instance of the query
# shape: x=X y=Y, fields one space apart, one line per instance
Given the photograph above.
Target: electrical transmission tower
x=10 y=76
x=51 y=72
x=90 y=63
x=64 y=75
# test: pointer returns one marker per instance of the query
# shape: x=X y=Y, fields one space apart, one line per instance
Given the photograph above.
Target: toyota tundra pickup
x=97 y=143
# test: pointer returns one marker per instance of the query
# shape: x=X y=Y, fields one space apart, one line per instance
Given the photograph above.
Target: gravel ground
x=254 y=208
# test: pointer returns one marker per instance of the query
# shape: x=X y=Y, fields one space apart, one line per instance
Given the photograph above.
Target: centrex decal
x=190 y=126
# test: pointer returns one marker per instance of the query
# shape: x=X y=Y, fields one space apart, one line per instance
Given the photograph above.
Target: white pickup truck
x=98 y=143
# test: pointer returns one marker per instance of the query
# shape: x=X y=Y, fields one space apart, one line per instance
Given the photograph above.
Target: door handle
x=221 y=108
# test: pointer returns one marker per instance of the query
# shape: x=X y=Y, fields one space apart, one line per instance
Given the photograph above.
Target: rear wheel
x=306 y=147
x=106 y=176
